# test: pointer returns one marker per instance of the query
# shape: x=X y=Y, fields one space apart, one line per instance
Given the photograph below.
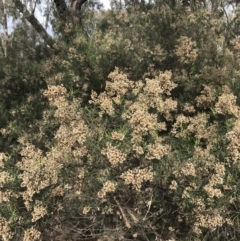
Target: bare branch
x=128 y=225
x=76 y=5
x=2 y=48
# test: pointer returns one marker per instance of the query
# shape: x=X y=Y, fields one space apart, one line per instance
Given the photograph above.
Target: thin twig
x=149 y=206
x=128 y=225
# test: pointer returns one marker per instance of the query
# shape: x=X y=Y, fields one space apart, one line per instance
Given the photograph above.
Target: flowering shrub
x=152 y=155
x=131 y=170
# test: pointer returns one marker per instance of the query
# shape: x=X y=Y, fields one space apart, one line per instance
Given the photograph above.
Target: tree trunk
x=4 y=39
x=35 y=23
x=62 y=9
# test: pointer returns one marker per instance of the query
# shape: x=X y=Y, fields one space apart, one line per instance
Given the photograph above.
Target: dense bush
x=133 y=136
